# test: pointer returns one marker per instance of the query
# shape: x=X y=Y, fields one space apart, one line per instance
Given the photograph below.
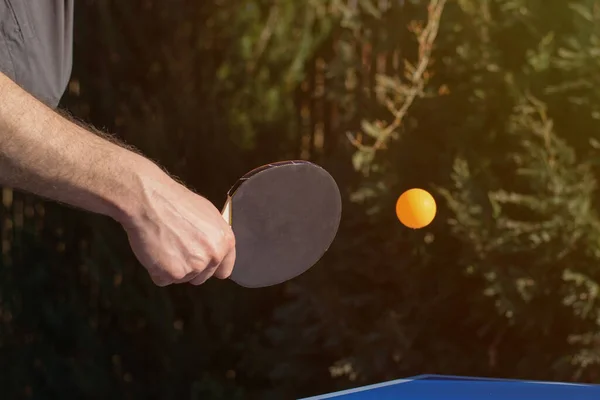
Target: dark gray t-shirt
x=36 y=46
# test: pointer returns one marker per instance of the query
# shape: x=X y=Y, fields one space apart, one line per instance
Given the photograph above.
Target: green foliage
x=535 y=239
x=526 y=211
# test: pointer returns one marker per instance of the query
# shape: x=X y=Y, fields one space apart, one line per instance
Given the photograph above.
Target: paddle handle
x=226 y=212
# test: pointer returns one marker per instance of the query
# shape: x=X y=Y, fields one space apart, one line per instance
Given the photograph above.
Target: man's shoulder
x=36 y=45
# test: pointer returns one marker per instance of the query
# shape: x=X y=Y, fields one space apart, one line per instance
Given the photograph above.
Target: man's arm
x=177 y=235
x=45 y=154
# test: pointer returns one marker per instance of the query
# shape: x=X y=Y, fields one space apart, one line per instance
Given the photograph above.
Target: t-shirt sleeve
x=36 y=46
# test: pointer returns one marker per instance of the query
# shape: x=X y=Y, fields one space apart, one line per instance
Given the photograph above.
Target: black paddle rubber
x=284 y=216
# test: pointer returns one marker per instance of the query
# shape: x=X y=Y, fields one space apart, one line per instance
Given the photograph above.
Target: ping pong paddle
x=284 y=216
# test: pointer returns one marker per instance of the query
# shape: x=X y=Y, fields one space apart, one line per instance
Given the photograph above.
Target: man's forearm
x=43 y=153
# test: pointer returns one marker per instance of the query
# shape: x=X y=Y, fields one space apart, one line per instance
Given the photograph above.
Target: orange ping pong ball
x=416 y=208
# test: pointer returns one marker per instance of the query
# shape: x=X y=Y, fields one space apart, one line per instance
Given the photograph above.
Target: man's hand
x=177 y=235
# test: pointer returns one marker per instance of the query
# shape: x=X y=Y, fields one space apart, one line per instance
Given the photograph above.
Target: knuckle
x=215 y=254
x=198 y=262
x=215 y=248
x=229 y=238
x=225 y=243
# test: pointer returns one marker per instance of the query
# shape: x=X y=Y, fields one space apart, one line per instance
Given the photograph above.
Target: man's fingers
x=194 y=269
x=188 y=277
x=202 y=276
x=220 y=271
x=225 y=269
x=160 y=279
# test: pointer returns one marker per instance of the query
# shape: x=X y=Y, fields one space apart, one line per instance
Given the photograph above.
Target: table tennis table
x=440 y=387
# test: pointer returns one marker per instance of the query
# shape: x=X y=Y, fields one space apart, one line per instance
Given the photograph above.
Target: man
x=177 y=235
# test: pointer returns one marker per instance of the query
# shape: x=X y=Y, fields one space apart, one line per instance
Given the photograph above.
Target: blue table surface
x=439 y=387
